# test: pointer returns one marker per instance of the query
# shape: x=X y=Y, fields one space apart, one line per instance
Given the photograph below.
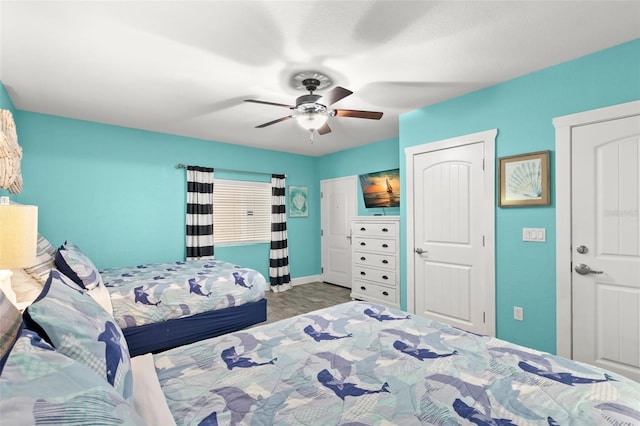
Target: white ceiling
x=184 y=67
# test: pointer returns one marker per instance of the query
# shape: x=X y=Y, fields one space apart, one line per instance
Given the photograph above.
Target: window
x=241 y=211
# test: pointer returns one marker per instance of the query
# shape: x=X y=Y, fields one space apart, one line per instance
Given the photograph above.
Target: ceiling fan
x=312 y=111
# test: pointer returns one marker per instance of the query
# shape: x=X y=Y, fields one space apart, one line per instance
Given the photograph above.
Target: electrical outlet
x=518 y=313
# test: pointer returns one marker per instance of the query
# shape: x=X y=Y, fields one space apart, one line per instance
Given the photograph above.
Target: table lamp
x=18 y=240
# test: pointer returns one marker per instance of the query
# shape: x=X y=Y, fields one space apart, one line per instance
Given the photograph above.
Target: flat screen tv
x=381 y=189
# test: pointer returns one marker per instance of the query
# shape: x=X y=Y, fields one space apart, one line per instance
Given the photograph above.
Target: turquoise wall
x=375 y=157
x=522 y=110
x=116 y=192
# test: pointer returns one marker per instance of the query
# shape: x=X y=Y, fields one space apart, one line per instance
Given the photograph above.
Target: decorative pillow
x=76 y=265
x=45 y=255
x=72 y=262
x=10 y=323
x=81 y=329
x=41 y=386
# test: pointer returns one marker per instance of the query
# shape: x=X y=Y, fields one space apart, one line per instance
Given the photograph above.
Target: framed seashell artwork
x=524 y=180
x=298 y=201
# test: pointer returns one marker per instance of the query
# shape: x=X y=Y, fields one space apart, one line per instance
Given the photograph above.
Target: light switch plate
x=538 y=235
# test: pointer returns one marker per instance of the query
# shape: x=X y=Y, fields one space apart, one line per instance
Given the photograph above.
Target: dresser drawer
x=373 y=259
x=369 y=291
x=374 y=244
x=381 y=276
x=375 y=229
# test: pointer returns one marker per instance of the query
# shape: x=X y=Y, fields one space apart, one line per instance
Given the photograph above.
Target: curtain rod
x=184 y=166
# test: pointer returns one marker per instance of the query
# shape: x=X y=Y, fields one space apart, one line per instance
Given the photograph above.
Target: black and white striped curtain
x=279 y=254
x=199 y=213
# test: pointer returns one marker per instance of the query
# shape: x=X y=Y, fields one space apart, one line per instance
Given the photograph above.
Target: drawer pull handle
x=362 y=287
x=363 y=258
x=385 y=293
x=363 y=244
x=363 y=229
x=385 y=245
x=385 y=261
x=363 y=273
x=385 y=230
x=384 y=277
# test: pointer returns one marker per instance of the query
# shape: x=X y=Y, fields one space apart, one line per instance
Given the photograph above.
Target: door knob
x=420 y=251
x=583 y=269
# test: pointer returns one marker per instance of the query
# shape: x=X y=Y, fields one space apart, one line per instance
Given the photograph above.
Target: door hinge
x=322 y=269
x=483 y=164
x=483 y=241
x=484 y=317
x=322 y=233
x=321 y=195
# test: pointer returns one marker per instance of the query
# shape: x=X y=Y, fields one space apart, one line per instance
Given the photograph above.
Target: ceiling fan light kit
x=311 y=111
x=311 y=120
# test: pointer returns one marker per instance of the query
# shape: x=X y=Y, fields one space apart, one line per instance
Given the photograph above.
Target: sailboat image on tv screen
x=381 y=189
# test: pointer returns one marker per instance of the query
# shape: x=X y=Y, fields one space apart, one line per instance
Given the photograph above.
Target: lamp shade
x=18 y=235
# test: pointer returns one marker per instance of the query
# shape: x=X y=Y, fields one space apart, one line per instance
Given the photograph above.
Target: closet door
x=450 y=228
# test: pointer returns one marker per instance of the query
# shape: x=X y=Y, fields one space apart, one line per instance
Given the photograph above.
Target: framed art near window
x=298 y=201
x=524 y=180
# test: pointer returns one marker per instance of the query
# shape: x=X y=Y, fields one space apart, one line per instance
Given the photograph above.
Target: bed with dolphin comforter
x=356 y=363
x=164 y=305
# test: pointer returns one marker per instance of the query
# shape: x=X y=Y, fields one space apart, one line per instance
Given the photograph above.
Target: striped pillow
x=9 y=326
x=45 y=255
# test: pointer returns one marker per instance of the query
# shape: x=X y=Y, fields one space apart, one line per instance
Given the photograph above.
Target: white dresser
x=375 y=245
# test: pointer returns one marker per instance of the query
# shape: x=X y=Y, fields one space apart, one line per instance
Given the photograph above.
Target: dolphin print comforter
x=363 y=364
x=147 y=294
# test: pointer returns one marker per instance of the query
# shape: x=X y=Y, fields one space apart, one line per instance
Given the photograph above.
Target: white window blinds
x=241 y=211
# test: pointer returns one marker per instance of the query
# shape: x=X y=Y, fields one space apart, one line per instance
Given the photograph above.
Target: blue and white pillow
x=41 y=386
x=72 y=262
x=80 y=328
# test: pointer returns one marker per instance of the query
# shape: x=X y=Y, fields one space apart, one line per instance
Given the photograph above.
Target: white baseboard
x=301 y=280
x=305 y=280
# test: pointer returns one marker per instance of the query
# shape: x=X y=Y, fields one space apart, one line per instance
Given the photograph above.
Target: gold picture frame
x=524 y=180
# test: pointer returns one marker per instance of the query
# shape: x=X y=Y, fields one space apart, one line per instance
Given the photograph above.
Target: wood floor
x=304 y=298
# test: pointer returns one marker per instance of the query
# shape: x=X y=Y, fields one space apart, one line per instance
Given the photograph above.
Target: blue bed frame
x=158 y=337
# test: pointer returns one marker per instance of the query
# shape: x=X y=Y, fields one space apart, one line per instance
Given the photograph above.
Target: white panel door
x=339 y=204
x=606 y=239
x=448 y=228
